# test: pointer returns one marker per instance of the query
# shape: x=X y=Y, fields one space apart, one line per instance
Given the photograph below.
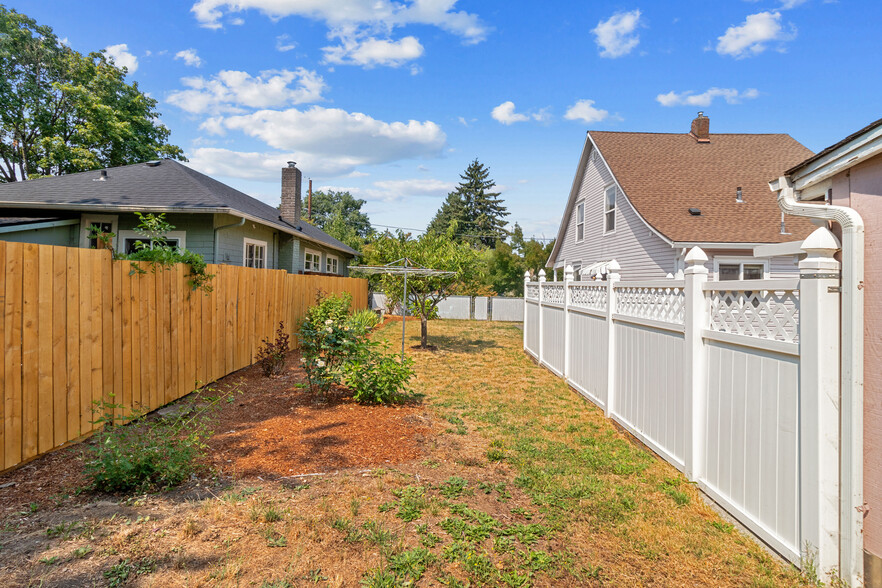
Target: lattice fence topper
x=532 y=291
x=666 y=304
x=588 y=296
x=765 y=314
x=553 y=293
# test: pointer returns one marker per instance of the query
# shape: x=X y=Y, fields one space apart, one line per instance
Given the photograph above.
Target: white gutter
x=851 y=462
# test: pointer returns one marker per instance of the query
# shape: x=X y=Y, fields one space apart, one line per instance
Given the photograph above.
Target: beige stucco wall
x=861 y=188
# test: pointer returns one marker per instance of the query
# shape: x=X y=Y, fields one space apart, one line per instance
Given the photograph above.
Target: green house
x=210 y=218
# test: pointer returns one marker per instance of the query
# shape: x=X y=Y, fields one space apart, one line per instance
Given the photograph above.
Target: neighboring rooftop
x=159 y=186
x=665 y=174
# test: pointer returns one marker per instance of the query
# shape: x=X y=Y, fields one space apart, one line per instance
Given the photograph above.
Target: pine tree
x=478 y=213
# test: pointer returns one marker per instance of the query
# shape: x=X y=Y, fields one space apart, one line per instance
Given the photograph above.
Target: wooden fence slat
x=96 y=335
x=3 y=358
x=109 y=328
x=59 y=342
x=45 y=333
x=12 y=333
x=30 y=339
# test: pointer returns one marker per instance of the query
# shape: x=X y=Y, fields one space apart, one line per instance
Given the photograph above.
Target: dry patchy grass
x=521 y=483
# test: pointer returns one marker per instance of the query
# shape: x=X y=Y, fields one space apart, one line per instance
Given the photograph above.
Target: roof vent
x=102 y=177
x=695 y=211
x=739 y=198
x=153 y=163
x=292 y=164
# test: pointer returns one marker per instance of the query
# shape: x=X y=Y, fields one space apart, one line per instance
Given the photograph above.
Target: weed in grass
x=430 y=463
x=503 y=544
x=523 y=512
x=386 y=506
x=316 y=576
x=411 y=564
x=63 y=531
x=495 y=455
x=276 y=584
x=81 y=552
x=191 y=528
x=538 y=561
x=376 y=534
x=454 y=487
x=411 y=502
x=670 y=486
x=515 y=579
x=380 y=578
x=526 y=534
x=33 y=507
x=50 y=561
x=274 y=538
x=430 y=540
x=241 y=495
x=271 y=514
x=451 y=581
x=118 y=574
x=722 y=527
x=354 y=506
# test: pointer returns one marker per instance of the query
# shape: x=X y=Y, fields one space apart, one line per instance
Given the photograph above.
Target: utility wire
x=463 y=234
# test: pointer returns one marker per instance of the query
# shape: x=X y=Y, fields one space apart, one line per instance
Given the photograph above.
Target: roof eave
x=825 y=165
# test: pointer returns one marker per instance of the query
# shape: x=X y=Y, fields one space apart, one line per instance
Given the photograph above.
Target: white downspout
x=851 y=472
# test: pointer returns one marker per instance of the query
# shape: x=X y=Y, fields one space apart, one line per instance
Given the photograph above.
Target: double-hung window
x=312 y=261
x=580 y=222
x=255 y=253
x=609 y=209
x=740 y=270
x=332 y=265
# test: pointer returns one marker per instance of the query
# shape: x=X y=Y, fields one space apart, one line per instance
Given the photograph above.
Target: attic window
x=695 y=211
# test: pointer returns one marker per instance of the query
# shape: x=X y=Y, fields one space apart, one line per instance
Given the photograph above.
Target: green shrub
x=363 y=321
x=377 y=377
x=271 y=354
x=327 y=341
x=141 y=454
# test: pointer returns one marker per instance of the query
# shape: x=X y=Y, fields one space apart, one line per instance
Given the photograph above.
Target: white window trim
x=614 y=209
x=328 y=259
x=245 y=243
x=725 y=260
x=87 y=220
x=314 y=252
x=121 y=237
x=578 y=204
x=573 y=264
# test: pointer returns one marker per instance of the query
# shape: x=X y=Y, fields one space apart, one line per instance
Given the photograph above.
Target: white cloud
x=263 y=166
x=370 y=52
x=336 y=133
x=753 y=35
x=505 y=113
x=416 y=187
x=688 y=98
x=284 y=43
x=121 y=57
x=788 y=4
x=375 y=15
x=190 y=57
x=229 y=91
x=585 y=111
x=615 y=36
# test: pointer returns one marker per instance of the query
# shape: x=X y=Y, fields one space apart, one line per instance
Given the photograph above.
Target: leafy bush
x=271 y=354
x=377 y=377
x=327 y=341
x=158 y=254
x=336 y=349
x=363 y=320
x=138 y=454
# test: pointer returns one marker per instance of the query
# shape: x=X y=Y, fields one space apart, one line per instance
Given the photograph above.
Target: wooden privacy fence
x=77 y=327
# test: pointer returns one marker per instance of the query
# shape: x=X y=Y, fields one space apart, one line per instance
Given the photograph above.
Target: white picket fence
x=707 y=374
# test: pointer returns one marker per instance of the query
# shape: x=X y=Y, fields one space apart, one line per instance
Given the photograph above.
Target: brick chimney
x=290 y=209
x=701 y=128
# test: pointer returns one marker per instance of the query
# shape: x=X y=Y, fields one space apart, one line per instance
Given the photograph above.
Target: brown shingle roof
x=665 y=174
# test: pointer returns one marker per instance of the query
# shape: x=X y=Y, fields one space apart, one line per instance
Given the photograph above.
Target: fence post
x=568 y=279
x=819 y=400
x=612 y=277
x=695 y=360
x=541 y=337
x=526 y=281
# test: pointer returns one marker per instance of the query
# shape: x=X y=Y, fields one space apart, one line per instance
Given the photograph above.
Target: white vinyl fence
x=479 y=308
x=707 y=374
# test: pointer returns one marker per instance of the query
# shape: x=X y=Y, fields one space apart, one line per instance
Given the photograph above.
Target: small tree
x=424 y=293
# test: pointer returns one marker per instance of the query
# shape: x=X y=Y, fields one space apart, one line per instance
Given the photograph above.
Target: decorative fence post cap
x=696 y=256
x=821 y=243
x=613 y=266
x=568 y=273
x=542 y=275
x=526 y=276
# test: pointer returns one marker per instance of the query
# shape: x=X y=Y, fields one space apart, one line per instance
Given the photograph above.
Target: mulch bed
x=287 y=431
x=274 y=428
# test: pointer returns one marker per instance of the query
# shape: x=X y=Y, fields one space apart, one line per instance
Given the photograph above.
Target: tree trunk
x=424 y=332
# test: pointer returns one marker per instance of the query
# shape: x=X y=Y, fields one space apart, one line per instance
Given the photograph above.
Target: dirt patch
x=283 y=430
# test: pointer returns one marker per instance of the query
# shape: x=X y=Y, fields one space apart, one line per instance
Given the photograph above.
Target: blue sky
x=392 y=100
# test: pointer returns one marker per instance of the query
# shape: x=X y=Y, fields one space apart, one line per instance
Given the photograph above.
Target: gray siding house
x=210 y=218
x=644 y=199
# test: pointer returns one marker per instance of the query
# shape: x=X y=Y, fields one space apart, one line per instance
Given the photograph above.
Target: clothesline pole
x=404 y=310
